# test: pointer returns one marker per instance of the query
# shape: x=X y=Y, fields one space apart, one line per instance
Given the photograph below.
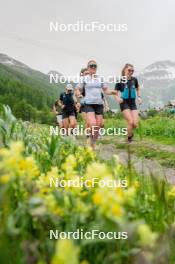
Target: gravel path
x=146 y=166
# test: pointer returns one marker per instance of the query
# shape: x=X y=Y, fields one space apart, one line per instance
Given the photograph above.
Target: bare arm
x=139 y=95
x=113 y=92
x=77 y=94
x=118 y=98
x=54 y=110
x=109 y=91
x=138 y=92
x=60 y=103
x=106 y=105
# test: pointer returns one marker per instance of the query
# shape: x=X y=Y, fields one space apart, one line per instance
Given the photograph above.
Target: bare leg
x=72 y=121
x=91 y=120
x=99 y=123
x=60 y=124
x=66 y=124
x=103 y=122
x=84 y=117
x=128 y=116
x=135 y=118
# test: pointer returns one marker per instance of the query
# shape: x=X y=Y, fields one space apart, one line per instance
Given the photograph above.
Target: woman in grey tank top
x=93 y=85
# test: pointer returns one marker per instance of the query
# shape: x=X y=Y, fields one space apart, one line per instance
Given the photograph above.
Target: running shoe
x=93 y=143
x=130 y=139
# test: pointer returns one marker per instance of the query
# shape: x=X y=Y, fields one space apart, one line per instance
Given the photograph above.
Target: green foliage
x=159 y=126
x=28 y=93
x=29 y=207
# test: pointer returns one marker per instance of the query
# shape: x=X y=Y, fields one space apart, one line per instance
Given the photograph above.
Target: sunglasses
x=131 y=71
x=93 y=66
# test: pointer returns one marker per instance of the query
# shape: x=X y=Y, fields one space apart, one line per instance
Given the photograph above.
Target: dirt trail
x=147 y=143
x=107 y=148
x=146 y=166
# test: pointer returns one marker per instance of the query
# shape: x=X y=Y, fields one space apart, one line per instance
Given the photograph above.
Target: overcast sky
x=25 y=35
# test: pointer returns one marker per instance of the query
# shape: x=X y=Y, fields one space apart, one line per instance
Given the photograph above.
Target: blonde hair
x=125 y=67
x=83 y=70
x=89 y=62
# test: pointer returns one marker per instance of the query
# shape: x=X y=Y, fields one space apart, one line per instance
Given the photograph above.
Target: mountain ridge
x=157 y=80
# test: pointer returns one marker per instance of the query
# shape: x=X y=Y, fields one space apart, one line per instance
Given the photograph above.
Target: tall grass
x=29 y=207
x=160 y=126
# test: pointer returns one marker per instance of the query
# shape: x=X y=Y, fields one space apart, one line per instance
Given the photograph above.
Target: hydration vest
x=65 y=99
x=129 y=90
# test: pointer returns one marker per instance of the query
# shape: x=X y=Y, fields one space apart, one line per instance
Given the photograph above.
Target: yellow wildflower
x=147 y=237
x=52 y=205
x=69 y=165
x=97 y=199
x=117 y=210
x=109 y=203
x=136 y=184
x=84 y=262
x=171 y=193
x=66 y=252
x=97 y=170
x=4 y=179
x=129 y=195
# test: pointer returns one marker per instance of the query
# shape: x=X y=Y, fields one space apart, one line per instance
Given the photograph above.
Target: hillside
x=22 y=87
x=26 y=90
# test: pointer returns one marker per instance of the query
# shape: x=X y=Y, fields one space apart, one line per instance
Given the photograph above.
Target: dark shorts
x=68 y=114
x=95 y=108
x=83 y=108
x=76 y=114
x=128 y=104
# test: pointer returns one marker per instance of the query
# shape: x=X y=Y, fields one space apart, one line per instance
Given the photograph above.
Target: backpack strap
x=83 y=89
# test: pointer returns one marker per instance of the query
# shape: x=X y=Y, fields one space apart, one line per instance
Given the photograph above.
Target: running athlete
x=80 y=98
x=93 y=86
x=127 y=99
x=58 y=112
x=67 y=104
x=83 y=72
x=105 y=109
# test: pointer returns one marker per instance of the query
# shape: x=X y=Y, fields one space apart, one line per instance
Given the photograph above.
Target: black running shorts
x=95 y=108
x=67 y=114
x=128 y=104
x=82 y=108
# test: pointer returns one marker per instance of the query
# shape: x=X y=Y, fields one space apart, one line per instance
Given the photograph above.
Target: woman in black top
x=126 y=97
x=67 y=104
